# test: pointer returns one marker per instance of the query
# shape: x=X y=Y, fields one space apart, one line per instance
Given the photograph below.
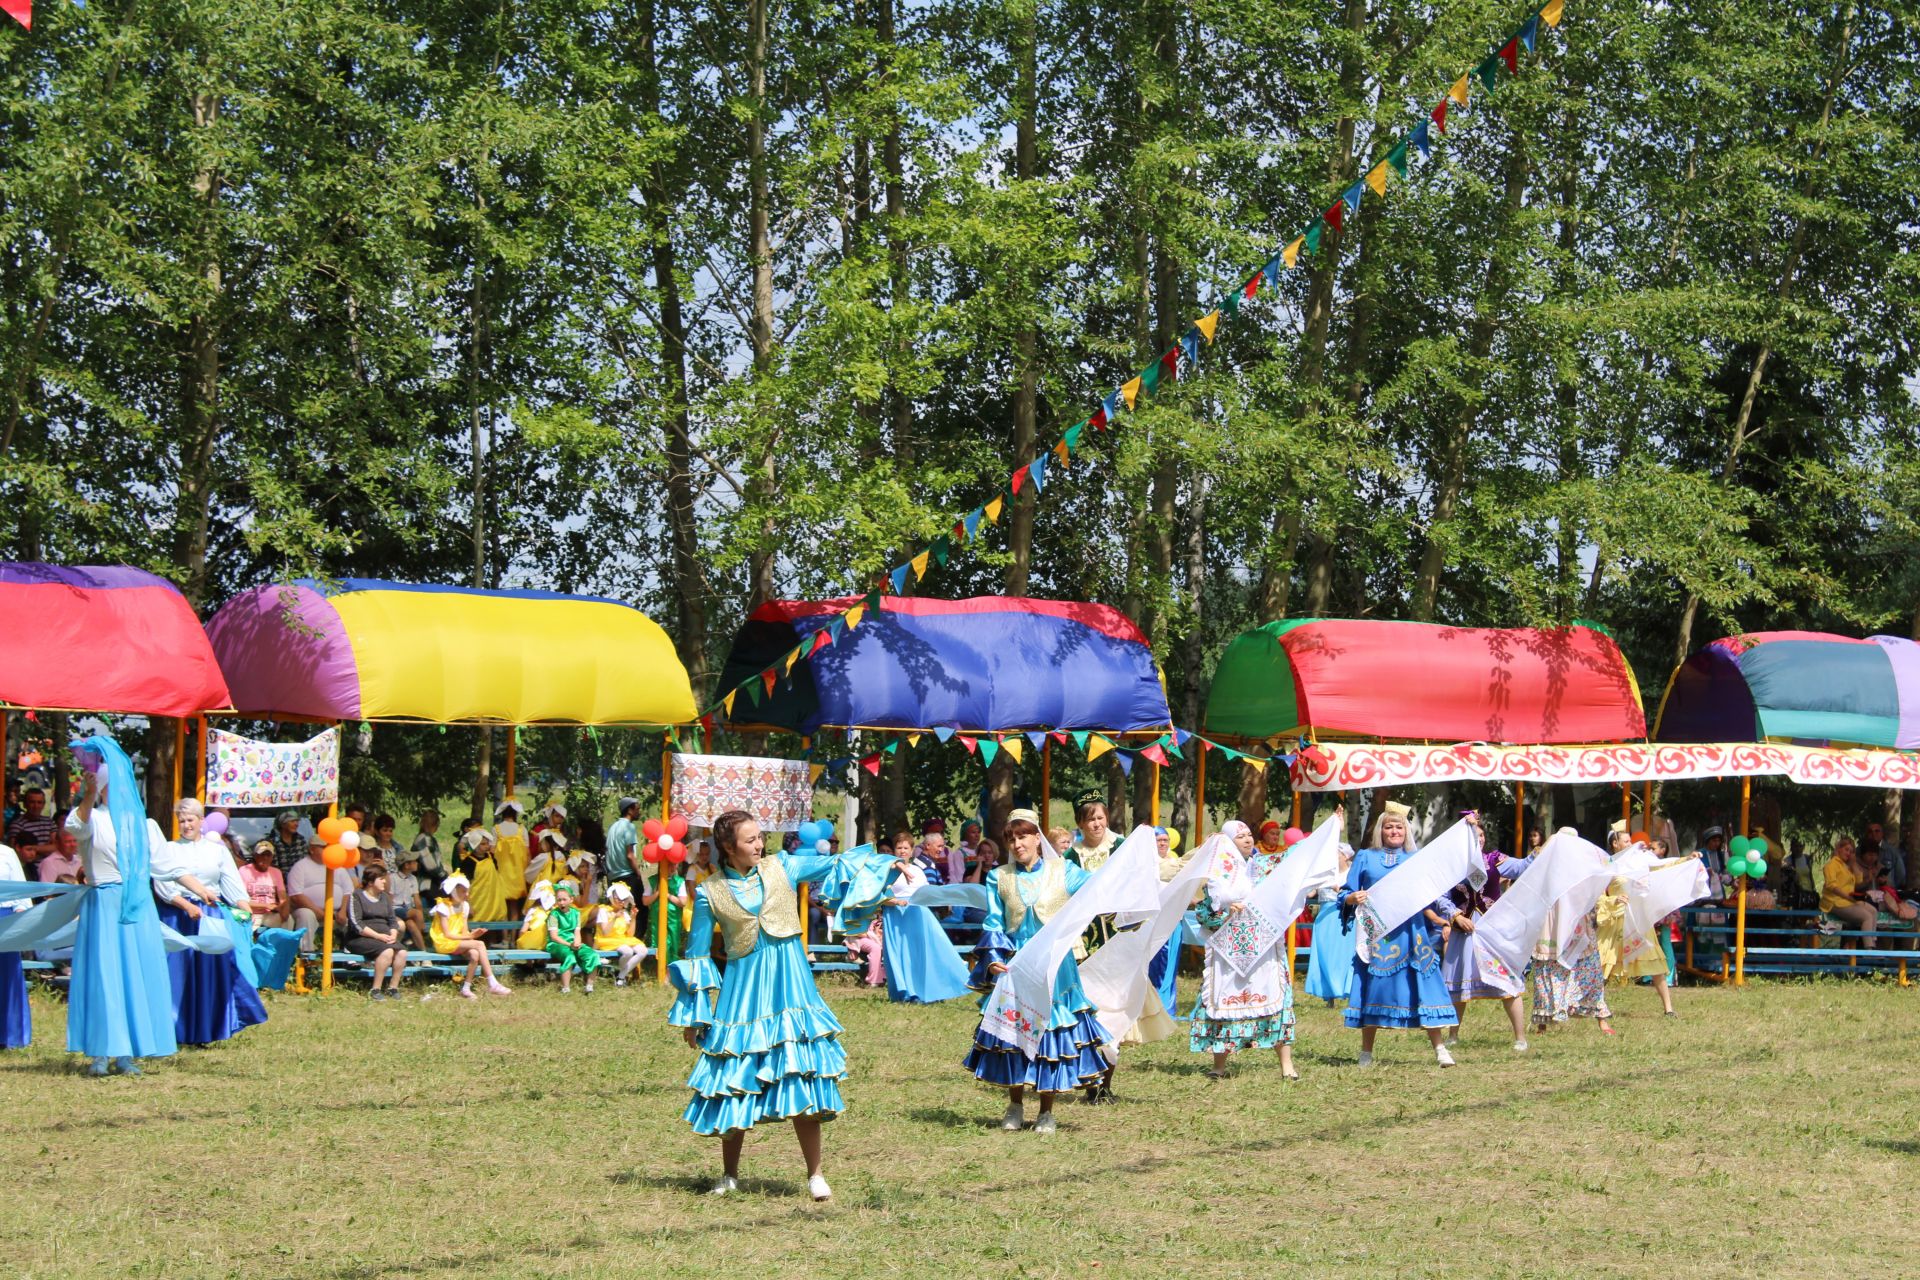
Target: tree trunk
x=1186 y=798
x=1455 y=444
x=893 y=159
x=760 y=322
x=689 y=583
x=1026 y=343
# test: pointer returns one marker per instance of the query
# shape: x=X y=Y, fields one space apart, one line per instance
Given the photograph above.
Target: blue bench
x=1835 y=952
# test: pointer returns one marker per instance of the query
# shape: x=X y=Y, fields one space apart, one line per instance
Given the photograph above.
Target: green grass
x=1767 y=1131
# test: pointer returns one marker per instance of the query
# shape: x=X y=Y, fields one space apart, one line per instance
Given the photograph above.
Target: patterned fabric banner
x=244 y=774
x=1340 y=766
x=778 y=793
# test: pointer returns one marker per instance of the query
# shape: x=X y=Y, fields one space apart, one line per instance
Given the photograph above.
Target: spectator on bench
x=62 y=866
x=31 y=834
x=375 y=931
x=1843 y=891
x=266 y=889
x=452 y=937
x=404 y=884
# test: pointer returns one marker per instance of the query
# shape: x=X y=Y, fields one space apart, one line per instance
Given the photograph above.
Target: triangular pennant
x=1421 y=141
x=1336 y=214
x=993 y=510
x=1149 y=378
x=943 y=732
x=1398 y=159
x=899 y=579
x=871 y=763
x=1232 y=304
x=1550 y=14
x=913 y=740
x=855 y=614
x=1310 y=242
x=1080 y=737
x=940 y=549
x=1099 y=747
x=1170 y=365
x=1072 y=438
x=973 y=748
x=959 y=531
x=1173 y=749
x=1113 y=404
x=1126 y=763
x=1291 y=254
x=1489 y=71
x=1252 y=286
x=1059 y=737
x=753 y=691
x=1153 y=752
x=1272 y=270
x=1231 y=754
x=1061 y=452
x=1510 y=54
x=1013 y=747
x=988 y=750
x=1377 y=178
x=1038 y=737
x=1256 y=762
x=893 y=748
x=1355 y=194
x=1019 y=478
x=1530 y=32
x=791 y=659
x=1439 y=117
x=1038 y=470
x=972 y=522
x=814 y=771
x=1460 y=89
x=1206 y=324
x=820 y=641
x=919 y=564
x=1190 y=345
x=1130 y=391
x=1099 y=419
x=726 y=703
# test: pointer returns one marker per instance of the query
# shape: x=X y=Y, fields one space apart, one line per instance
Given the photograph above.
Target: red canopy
x=1412 y=681
x=103 y=638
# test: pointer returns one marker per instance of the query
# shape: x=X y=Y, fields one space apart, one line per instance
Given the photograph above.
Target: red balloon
x=677 y=827
x=1294 y=835
x=652 y=828
x=677 y=854
x=651 y=852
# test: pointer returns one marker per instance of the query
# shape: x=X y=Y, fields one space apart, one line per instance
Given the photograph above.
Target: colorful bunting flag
x=1311 y=241
x=1061 y=452
x=814 y=771
x=1510 y=54
x=943 y=732
x=893 y=748
x=1377 y=178
x=993 y=510
x=871 y=763
x=1232 y=304
x=1551 y=13
x=1126 y=763
x=1038 y=470
x=1291 y=254
x=988 y=750
x=973 y=748
x=791 y=659
x=1099 y=747
x=1149 y=378
x=899 y=579
x=727 y=702
x=941 y=548
x=1153 y=752
x=1206 y=324
x=1336 y=214
x=1013 y=747
x=753 y=692
x=1190 y=345
x=913 y=739
x=1131 y=391
x=919 y=564
x=972 y=522
x=1112 y=404
x=1072 y=437
x=1460 y=89
x=1439 y=117
x=1398 y=159
x=1530 y=32
x=855 y=614
x=1420 y=140
x=1038 y=737
x=1080 y=737
x=1354 y=195
x=1489 y=71
x=1252 y=286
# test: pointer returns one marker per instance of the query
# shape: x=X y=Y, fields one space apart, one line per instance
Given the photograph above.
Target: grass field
x=1770 y=1131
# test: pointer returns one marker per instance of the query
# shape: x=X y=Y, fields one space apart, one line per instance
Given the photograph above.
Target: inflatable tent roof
x=1796 y=686
x=1418 y=682
x=991 y=664
x=103 y=638
x=362 y=649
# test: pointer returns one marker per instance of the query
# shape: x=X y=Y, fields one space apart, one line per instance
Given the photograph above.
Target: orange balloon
x=349 y=824
x=353 y=856
x=331 y=829
x=1641 y=837
x=335 y=856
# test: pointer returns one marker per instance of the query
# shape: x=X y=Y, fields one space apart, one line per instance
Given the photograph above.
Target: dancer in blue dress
x=194 y=880
x=1027 y=893
x=120 y=999
x=16 y=1017
x=1401 y=986
x=769 y=1046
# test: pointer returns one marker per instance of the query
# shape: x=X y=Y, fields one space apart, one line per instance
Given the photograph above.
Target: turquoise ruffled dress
x=769 y=1046
x=1068 y=1056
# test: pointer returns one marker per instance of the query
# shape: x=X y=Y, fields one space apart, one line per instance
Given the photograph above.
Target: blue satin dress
x=1330 y=961
x=1402 y=985
x=16 y=1017
x=920 y=963
x=769 y=1046
x=1068 y=1056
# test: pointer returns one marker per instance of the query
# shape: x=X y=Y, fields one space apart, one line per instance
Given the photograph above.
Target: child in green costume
x=563 y=938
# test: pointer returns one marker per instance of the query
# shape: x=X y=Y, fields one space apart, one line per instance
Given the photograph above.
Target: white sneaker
x=1519 y=1046
x=495 y=989
x=724 y=1186
x=1366 y=1057
x=466 y=993
x=1442 y=1056
x=817 y=1187
x=1014 y=1121
x=1045 y=1124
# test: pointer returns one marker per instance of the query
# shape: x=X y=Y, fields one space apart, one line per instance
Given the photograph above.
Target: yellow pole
x=1626 y=804
x=1200 y=798
x=660 y=868
x=1520 y=819
x=1046 y=781
x=1296 y=809
x=326 y=939
x=200 y=757
x=1293 y=944
x=1646 y=812
x=1740 y=915
x=1156 y=795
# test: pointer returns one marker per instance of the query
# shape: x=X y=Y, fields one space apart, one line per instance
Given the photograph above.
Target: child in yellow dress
x=614 y=929
x=452 y=937
x=533 y=923
x=510 y=853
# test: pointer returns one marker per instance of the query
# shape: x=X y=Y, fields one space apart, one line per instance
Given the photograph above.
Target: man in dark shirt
x=289 y=846
x=31 y=834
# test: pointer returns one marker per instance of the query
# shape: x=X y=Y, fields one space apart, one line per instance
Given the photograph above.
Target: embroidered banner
x=778 y=793
x=244 y=774
x=1342 y=766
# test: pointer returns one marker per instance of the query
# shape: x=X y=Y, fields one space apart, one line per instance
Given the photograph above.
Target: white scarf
x=1418 y=883
x=1663 y=890
x=1115 y=976
x=1276 y=902
x=1567 y=874
x=1127 y=885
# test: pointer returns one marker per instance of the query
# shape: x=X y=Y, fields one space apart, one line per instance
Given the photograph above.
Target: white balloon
x=665 y=841
x=350 y=839
x=823 y=846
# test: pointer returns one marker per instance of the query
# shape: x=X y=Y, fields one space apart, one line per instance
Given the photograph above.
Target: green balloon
x=1736 y=866
x=1739 y=846
x=1757 y=868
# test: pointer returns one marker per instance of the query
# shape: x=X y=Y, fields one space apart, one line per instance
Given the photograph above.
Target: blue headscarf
x=129 y=815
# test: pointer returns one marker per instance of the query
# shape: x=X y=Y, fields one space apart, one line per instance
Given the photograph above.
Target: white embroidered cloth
x=1662 y=891
x=1567 y=870
x=1115 y=976
x=1277 y=901
x=1417 y=883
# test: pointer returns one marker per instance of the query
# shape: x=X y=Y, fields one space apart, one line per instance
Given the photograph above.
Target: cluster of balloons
x=343 y=843
x=1747 y=857
x=817 y=836
x=664 y=839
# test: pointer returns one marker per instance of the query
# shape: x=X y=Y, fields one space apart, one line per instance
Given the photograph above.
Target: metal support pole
x=1156 y=795
x=200 y=754
x=1740 y=916
x=326 y=940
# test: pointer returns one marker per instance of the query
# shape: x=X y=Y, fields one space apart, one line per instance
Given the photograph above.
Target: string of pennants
x=1125 y=398
x=1163 y=750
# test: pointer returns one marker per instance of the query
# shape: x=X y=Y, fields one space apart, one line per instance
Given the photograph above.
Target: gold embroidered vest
x=740 y=929
x=1053 y=892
